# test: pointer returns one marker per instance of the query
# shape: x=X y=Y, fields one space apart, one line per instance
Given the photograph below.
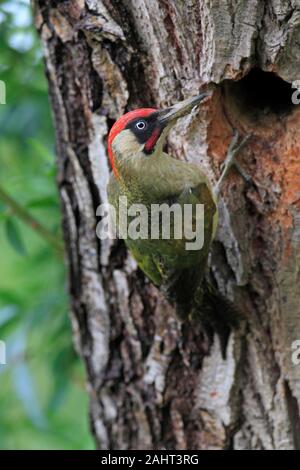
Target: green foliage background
x=43 y=401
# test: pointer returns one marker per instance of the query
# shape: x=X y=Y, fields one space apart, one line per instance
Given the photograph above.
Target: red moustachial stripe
x=152 y=140
x=120 y=125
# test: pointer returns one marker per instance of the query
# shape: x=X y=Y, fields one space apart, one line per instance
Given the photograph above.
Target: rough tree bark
x=154 y=383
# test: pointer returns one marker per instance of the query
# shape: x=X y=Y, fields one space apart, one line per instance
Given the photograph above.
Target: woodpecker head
x=141 y=133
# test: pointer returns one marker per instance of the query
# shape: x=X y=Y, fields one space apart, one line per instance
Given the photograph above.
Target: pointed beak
x=170 y=115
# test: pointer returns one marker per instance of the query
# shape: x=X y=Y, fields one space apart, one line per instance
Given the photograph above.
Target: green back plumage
x=159 y=179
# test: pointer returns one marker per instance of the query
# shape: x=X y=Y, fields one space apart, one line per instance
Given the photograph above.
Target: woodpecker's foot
x=230 y=161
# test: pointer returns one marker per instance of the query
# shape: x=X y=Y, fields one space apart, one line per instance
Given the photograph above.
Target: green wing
x=163 y=260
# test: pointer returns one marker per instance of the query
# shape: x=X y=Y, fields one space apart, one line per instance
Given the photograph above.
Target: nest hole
x=261 y=93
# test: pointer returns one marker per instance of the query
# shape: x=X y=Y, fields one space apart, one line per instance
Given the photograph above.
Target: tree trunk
x=155 y=383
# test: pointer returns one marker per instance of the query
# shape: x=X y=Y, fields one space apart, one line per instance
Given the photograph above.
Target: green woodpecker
x=145 y=174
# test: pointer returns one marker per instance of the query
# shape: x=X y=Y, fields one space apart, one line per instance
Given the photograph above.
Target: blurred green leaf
x=14 y=237
x=26 y=391
x=3 y=212
x=47 y=202
x=7 y=313
x=23 y=381
x=41 y=150
x=9 y=296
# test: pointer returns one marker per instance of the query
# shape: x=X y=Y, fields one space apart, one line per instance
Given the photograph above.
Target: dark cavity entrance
x=261 y=93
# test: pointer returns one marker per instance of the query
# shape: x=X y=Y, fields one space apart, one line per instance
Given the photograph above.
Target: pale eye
x=141 y=125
